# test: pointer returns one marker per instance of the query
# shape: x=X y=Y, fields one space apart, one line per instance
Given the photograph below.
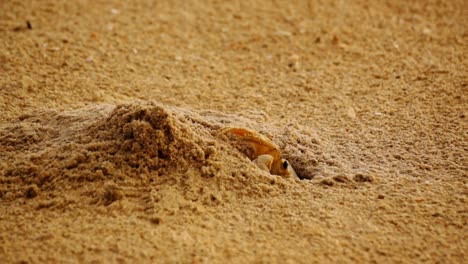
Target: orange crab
x=266 y=155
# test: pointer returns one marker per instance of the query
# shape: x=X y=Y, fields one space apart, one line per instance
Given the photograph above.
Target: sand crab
x=266 y=155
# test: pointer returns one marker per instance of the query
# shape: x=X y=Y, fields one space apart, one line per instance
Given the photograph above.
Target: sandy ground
x=111 y=110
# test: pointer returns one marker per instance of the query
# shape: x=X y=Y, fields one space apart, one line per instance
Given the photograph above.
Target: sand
x=111 y=112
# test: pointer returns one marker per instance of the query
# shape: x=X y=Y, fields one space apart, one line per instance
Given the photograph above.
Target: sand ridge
x=143 y=141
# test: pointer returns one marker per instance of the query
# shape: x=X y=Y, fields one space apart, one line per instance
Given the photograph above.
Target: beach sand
x=111 y=112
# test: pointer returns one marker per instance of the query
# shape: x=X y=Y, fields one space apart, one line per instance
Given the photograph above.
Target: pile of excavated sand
x=145 y=144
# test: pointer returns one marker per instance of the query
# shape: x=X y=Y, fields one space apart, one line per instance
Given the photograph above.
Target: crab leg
x=261 y=144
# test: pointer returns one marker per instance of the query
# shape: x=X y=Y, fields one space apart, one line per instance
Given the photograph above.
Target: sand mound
x=142 y=144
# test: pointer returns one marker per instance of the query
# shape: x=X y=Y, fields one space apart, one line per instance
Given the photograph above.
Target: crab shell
x=266 y=153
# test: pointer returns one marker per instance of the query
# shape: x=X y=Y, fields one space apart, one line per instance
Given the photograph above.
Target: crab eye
x=285 y=164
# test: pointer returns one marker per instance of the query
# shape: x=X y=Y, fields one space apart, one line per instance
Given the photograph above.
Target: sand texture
x=112 y=112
